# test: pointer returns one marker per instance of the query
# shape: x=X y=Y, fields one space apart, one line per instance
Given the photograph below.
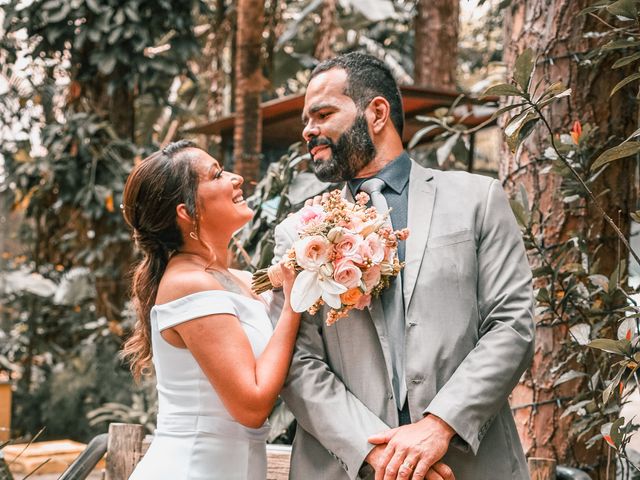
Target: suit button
x=412 y=324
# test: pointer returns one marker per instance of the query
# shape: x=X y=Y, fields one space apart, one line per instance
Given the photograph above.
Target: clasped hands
x=412 y=451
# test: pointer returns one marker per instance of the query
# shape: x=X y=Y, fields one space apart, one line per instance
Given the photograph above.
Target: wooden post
x=5 y=411
x=123 y=449
x=542 y=468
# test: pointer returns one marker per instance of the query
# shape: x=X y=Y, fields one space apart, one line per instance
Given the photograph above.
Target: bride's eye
x=218 y=173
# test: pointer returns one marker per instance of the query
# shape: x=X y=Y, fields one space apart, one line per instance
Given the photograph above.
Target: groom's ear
x=379 y=111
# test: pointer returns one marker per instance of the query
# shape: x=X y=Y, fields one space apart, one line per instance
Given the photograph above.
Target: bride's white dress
x=196 y=438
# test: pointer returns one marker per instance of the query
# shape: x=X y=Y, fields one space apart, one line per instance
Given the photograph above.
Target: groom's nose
x=310 y=130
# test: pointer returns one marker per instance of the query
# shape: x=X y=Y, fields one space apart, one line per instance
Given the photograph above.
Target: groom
x=418 y=381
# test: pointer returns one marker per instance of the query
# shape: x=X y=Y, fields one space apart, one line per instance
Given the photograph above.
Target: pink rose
x=371 y=277
x=346 y=273
x=311 y=215
x=363 y=302
x=348 y=245
x=312 y=252
x=364 y=251
x=376 y=245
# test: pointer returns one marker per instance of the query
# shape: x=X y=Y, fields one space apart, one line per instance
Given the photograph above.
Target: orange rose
x=351 y=296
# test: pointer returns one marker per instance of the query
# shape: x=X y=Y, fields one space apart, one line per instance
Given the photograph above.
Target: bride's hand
x=288 y=276
x=317 y=200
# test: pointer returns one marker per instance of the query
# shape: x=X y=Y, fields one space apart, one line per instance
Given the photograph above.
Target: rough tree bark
x=247 y=135
x=554 y=30
x=436 y=30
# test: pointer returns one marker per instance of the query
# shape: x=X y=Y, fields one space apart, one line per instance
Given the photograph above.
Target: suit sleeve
x=319 y=400
x=480 y=386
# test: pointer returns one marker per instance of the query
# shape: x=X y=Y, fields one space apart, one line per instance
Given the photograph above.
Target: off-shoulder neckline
x=203 y=293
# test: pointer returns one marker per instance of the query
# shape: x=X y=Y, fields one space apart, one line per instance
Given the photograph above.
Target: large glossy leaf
x=523 y=68
x=626 y=60
x=624 y=9
x=503 y=90
x=625 y=81
x=421 y=133
x=619 y=151
x=608 y=345
x=568 y=376
x=445 y=149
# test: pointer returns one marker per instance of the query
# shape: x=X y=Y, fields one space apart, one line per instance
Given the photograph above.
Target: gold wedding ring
x=408 y=465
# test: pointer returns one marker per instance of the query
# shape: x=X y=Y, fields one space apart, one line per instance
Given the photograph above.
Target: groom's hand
x=412 y=450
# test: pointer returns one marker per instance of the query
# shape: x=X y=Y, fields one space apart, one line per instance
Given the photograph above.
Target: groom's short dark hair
x=367 y=78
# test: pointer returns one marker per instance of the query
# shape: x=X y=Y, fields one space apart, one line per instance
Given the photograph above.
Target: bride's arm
x=247 y=386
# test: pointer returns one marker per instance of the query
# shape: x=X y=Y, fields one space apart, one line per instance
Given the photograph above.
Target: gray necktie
x=392 y=302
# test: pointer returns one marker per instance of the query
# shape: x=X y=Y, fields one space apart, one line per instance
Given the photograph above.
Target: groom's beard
x=353 y=151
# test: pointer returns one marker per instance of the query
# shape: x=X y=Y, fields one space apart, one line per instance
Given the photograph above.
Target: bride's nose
x=237 y=180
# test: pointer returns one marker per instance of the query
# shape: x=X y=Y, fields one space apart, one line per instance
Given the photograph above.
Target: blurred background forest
x=89 y=87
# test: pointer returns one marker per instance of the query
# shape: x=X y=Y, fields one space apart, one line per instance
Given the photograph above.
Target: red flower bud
x=576 y=131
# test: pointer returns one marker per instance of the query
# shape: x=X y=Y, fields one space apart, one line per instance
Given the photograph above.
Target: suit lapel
x=422 y=193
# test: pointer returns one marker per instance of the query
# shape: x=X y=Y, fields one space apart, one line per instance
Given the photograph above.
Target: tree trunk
x=247 y=135
x=327 y=32
x=555 y=32
x=436 y=43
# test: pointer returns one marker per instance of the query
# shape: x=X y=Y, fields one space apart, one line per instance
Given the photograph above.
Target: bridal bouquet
x=346 y=254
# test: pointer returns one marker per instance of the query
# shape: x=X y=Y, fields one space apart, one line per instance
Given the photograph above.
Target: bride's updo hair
x=155 y=187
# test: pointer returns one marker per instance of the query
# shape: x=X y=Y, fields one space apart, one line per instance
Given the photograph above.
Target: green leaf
x=624 y=82
x=606 y=394
x=421 y=133
x=568 y=376
x=608 y=345
x=503 y=89
x=523 y=131
x=523 y=68
x=519 y=212
x=626 y=60
x=617 y=44
x=624 y=8
x=619 y=151
x=505 y=109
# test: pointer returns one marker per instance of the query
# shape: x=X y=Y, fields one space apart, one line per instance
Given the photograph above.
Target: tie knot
x=373 y=185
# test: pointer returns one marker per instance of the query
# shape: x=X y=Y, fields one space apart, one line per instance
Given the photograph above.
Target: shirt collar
x=395 y=174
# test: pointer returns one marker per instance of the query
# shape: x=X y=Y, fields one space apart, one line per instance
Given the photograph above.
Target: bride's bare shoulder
x=181 y=280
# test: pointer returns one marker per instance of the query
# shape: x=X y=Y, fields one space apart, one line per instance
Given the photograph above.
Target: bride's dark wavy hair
x=155 y=187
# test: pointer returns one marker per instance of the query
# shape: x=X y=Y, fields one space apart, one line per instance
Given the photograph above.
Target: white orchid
x=309 y=286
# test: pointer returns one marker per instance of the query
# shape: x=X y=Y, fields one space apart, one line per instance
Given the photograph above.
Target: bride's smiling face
x=221 y=206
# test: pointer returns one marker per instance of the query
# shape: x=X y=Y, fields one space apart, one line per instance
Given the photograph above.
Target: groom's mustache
x=318 y=141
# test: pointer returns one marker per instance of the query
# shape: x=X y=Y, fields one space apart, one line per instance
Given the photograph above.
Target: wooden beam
x=124 y=450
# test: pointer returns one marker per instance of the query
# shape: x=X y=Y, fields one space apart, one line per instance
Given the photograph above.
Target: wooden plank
x=278 y=457
x=124 y=450
x=59 y=453
x=5 y=411
x=542 y=468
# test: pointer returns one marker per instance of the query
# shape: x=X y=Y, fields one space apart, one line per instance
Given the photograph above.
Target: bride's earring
x=193 y=235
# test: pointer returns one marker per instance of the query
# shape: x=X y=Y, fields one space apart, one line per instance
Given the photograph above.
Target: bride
x=218 y=361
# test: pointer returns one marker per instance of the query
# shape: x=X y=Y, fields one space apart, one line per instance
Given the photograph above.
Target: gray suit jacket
x=469 y=338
